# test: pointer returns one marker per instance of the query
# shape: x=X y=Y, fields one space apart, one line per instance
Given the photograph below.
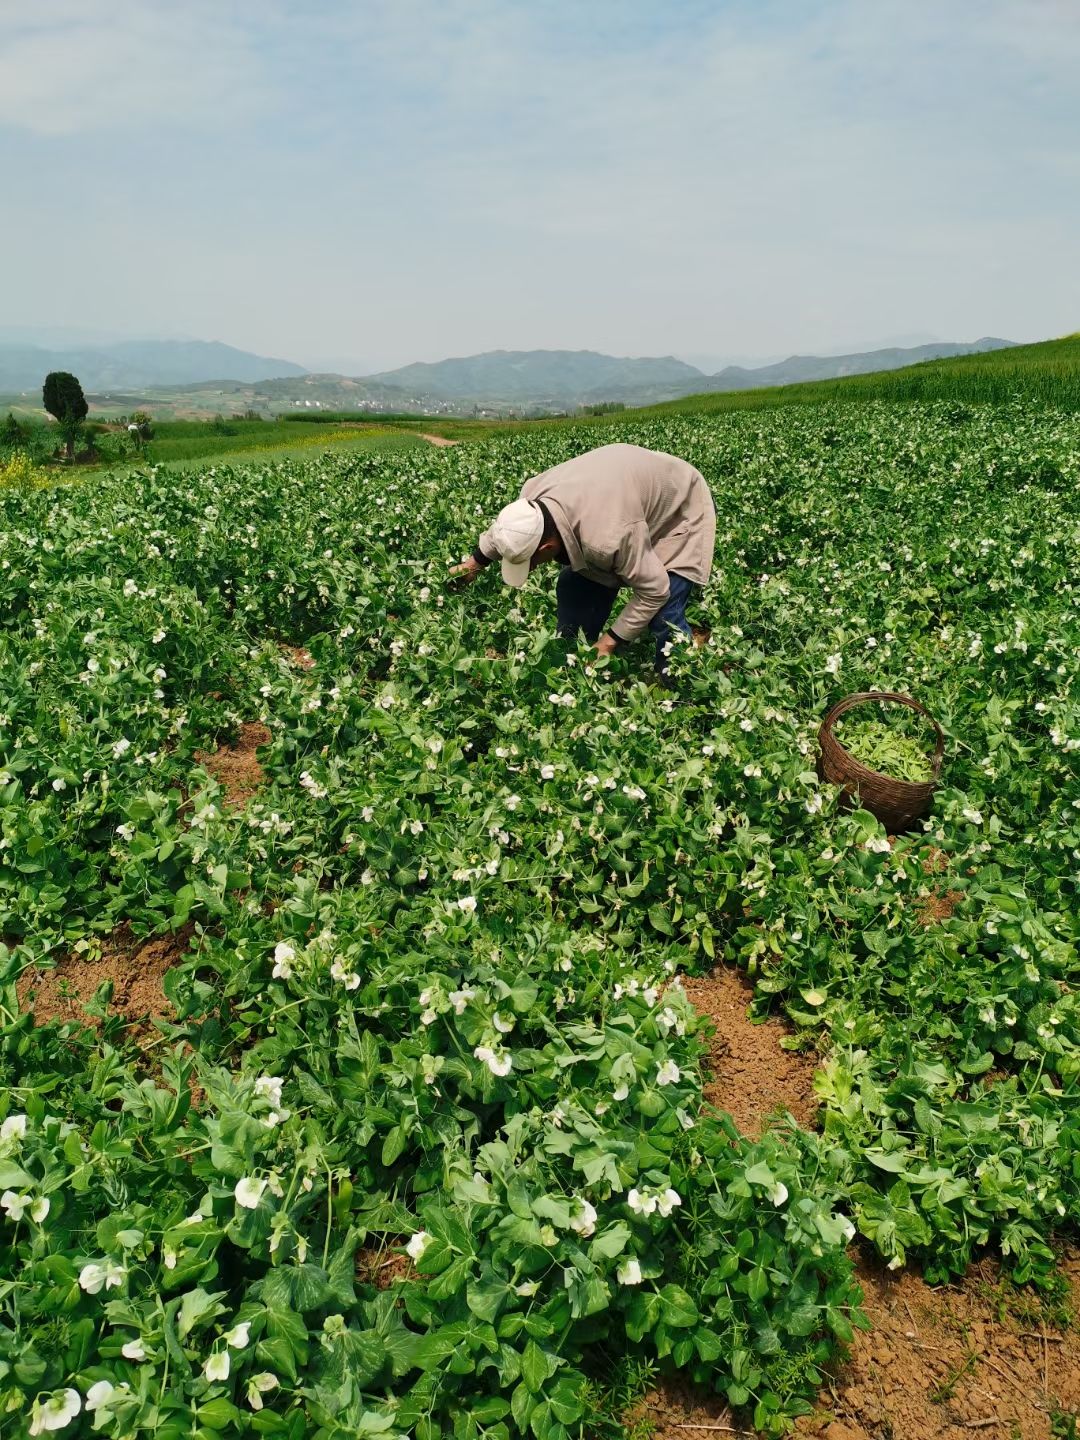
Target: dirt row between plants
x=135 y=967
x=236 y=767
x=941 y=1362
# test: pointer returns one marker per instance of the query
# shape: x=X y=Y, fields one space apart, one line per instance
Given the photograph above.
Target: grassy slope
x=1047 y=373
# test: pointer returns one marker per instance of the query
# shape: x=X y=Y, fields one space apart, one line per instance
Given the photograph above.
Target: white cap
x=515 y=533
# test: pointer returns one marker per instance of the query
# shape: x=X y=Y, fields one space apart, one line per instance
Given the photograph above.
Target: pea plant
x=417 y=1145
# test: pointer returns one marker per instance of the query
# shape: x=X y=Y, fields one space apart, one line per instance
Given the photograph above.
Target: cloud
x=69 y=68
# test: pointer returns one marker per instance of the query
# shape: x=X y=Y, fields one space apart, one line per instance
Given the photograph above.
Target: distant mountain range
x=525 y=381
x=137 y=364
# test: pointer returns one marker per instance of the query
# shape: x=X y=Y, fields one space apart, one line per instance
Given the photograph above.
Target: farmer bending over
x=619 y=515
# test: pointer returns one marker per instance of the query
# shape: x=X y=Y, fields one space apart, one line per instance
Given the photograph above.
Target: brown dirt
x=937 y=908
x=297 y=656
x=701 y=634
x=939 y=1361
x=934 y=861
x=938 y=1364
x=135 y=967
x=751 y=1076
x=382 y=1266
x=437 y=439
x=235 y=767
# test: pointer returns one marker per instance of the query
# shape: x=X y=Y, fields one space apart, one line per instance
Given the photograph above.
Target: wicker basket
x=896 y=803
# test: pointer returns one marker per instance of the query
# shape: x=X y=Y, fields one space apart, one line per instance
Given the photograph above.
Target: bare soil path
x=750 y=1077
x=236 y=768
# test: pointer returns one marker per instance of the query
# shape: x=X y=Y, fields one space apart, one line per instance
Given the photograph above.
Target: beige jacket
x=627 y=516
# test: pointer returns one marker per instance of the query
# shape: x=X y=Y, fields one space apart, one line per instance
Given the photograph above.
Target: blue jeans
x=585 y=605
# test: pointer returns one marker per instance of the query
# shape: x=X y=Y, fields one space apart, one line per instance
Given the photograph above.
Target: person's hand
x=606 y=645
x=465 y=573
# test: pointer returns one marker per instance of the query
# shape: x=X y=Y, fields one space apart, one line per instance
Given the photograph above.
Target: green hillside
x=1047 y=373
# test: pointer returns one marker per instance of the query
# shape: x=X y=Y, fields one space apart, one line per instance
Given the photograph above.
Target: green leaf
x=537 y=1366
x=660 y=920
x=610 y=1242
x=676 y=1307
x=197 y=1307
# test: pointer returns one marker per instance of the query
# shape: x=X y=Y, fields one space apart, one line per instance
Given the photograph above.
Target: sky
x=381 y=181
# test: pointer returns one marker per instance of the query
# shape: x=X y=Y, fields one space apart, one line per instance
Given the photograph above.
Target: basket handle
x=850 y=702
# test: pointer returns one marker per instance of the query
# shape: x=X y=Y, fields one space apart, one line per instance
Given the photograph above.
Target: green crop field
x=1043 y=374
x=350 y=1086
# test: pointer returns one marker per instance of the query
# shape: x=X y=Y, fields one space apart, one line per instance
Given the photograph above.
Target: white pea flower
x=13 y=1128
x=779 y=1193
x=130 y=588
x=100 y=1275
x=40 y=1208
x=121 y=747
x=349 y=978
x=133 y=1350
x=641 y=1204
x=498 y=1062
x=59 y=784
x=629 y=1273
x=668 y=1073
x=584 y=1221
x=284 y=955
x=249 y=1191
x=417 y=1245
x=126 y=833
x=502 y=1025
x=832 y=665
x=513 y=801
x=217 y=1366
x=270 y=1087
x=55 y=1413
x=973 y=817
x=467 y=904
x=621 y=1091
x=102 y=1393
x=460 y=998
x=239 y=1336
x=15 y=1205
x=667 y=1201
x=878 y=844
x=260 y=1385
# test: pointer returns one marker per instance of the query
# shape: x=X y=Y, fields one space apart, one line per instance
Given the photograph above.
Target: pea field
x=349 y=1082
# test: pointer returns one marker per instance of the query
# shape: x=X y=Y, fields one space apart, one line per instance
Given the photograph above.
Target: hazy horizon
x=384 y=183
